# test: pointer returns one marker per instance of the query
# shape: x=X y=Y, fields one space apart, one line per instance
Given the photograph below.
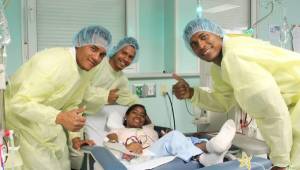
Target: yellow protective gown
x=50 y=82
x=265 y=82
x=105 y=79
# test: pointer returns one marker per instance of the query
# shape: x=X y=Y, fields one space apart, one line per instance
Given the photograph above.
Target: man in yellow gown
x=110 y=85
x=264 y=80
x=42 y=98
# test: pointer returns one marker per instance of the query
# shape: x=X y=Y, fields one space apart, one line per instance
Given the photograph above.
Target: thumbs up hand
x=182 y=89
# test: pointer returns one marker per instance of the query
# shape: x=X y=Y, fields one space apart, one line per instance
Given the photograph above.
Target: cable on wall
x=173 y=114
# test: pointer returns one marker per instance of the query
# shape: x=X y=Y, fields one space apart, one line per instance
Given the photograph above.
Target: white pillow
x=115 y=116
x=97 y=125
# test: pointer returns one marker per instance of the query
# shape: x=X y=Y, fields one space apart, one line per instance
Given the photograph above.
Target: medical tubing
x=3 y=156
x=190 y=113
x=264 y=17
x=173 y=114
x=2 y=162
x=12 y=146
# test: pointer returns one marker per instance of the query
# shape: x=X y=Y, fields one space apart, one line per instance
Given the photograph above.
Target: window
x=53 y=23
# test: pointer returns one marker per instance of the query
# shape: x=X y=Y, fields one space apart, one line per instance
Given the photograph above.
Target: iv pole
x=4 y=41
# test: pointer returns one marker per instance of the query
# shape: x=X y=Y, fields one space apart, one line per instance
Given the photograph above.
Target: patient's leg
x=218 y=145
x=222 y=141
x=208 y=159
x=176 y=144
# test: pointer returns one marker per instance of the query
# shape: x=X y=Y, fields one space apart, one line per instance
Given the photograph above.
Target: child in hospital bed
x=139 y=137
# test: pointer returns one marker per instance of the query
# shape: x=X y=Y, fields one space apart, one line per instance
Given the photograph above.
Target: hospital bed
x=111 y=116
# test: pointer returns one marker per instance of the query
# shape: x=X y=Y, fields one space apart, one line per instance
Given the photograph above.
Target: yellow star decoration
x=245 y=161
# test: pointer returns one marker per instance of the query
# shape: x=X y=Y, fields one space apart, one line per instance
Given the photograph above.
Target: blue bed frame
x=109 y=162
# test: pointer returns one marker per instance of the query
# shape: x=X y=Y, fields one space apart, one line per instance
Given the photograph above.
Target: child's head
x=136 y=117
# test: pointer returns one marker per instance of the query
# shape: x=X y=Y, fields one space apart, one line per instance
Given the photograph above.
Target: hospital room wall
x=291 y=11
x=14 y=49
x=161 y=47
x=159 y=107
x=151 y=36
x=161 y=24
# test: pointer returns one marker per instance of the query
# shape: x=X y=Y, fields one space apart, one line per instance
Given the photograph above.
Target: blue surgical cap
x=201 y=24
x=123 y=43
x=93 y=35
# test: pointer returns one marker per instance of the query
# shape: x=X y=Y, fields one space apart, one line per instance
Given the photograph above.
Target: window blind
x=57 y=21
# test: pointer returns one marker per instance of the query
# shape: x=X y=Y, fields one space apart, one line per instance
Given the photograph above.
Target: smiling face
x=122 y=58
x=136 y=117
x=207 y=46
x=89 y=56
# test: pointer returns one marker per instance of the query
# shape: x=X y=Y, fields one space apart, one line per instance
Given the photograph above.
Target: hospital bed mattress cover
x=109 y=162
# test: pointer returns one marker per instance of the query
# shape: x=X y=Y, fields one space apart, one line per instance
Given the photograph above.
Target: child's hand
x=77 y=143
x=127 y=157
x=113 y=137
x=135 y=147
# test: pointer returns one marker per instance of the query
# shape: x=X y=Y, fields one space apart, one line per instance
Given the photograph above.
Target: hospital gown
x=173 y=143
x=265 y=82
x=106 y=79
x=49 y=83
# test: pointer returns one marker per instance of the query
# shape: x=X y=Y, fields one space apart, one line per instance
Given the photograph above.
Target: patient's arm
x=112 y=137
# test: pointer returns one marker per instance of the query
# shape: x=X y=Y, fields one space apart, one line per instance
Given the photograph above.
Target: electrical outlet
x=144 y=90
x=149 y=90
x=202 y=118
x=163 y=89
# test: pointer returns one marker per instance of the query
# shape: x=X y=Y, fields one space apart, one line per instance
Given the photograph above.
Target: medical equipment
x=285 y=38
x=104 y=157
x=14 y=160
x=296 y=38
x=10 y=157
x=4 y=41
